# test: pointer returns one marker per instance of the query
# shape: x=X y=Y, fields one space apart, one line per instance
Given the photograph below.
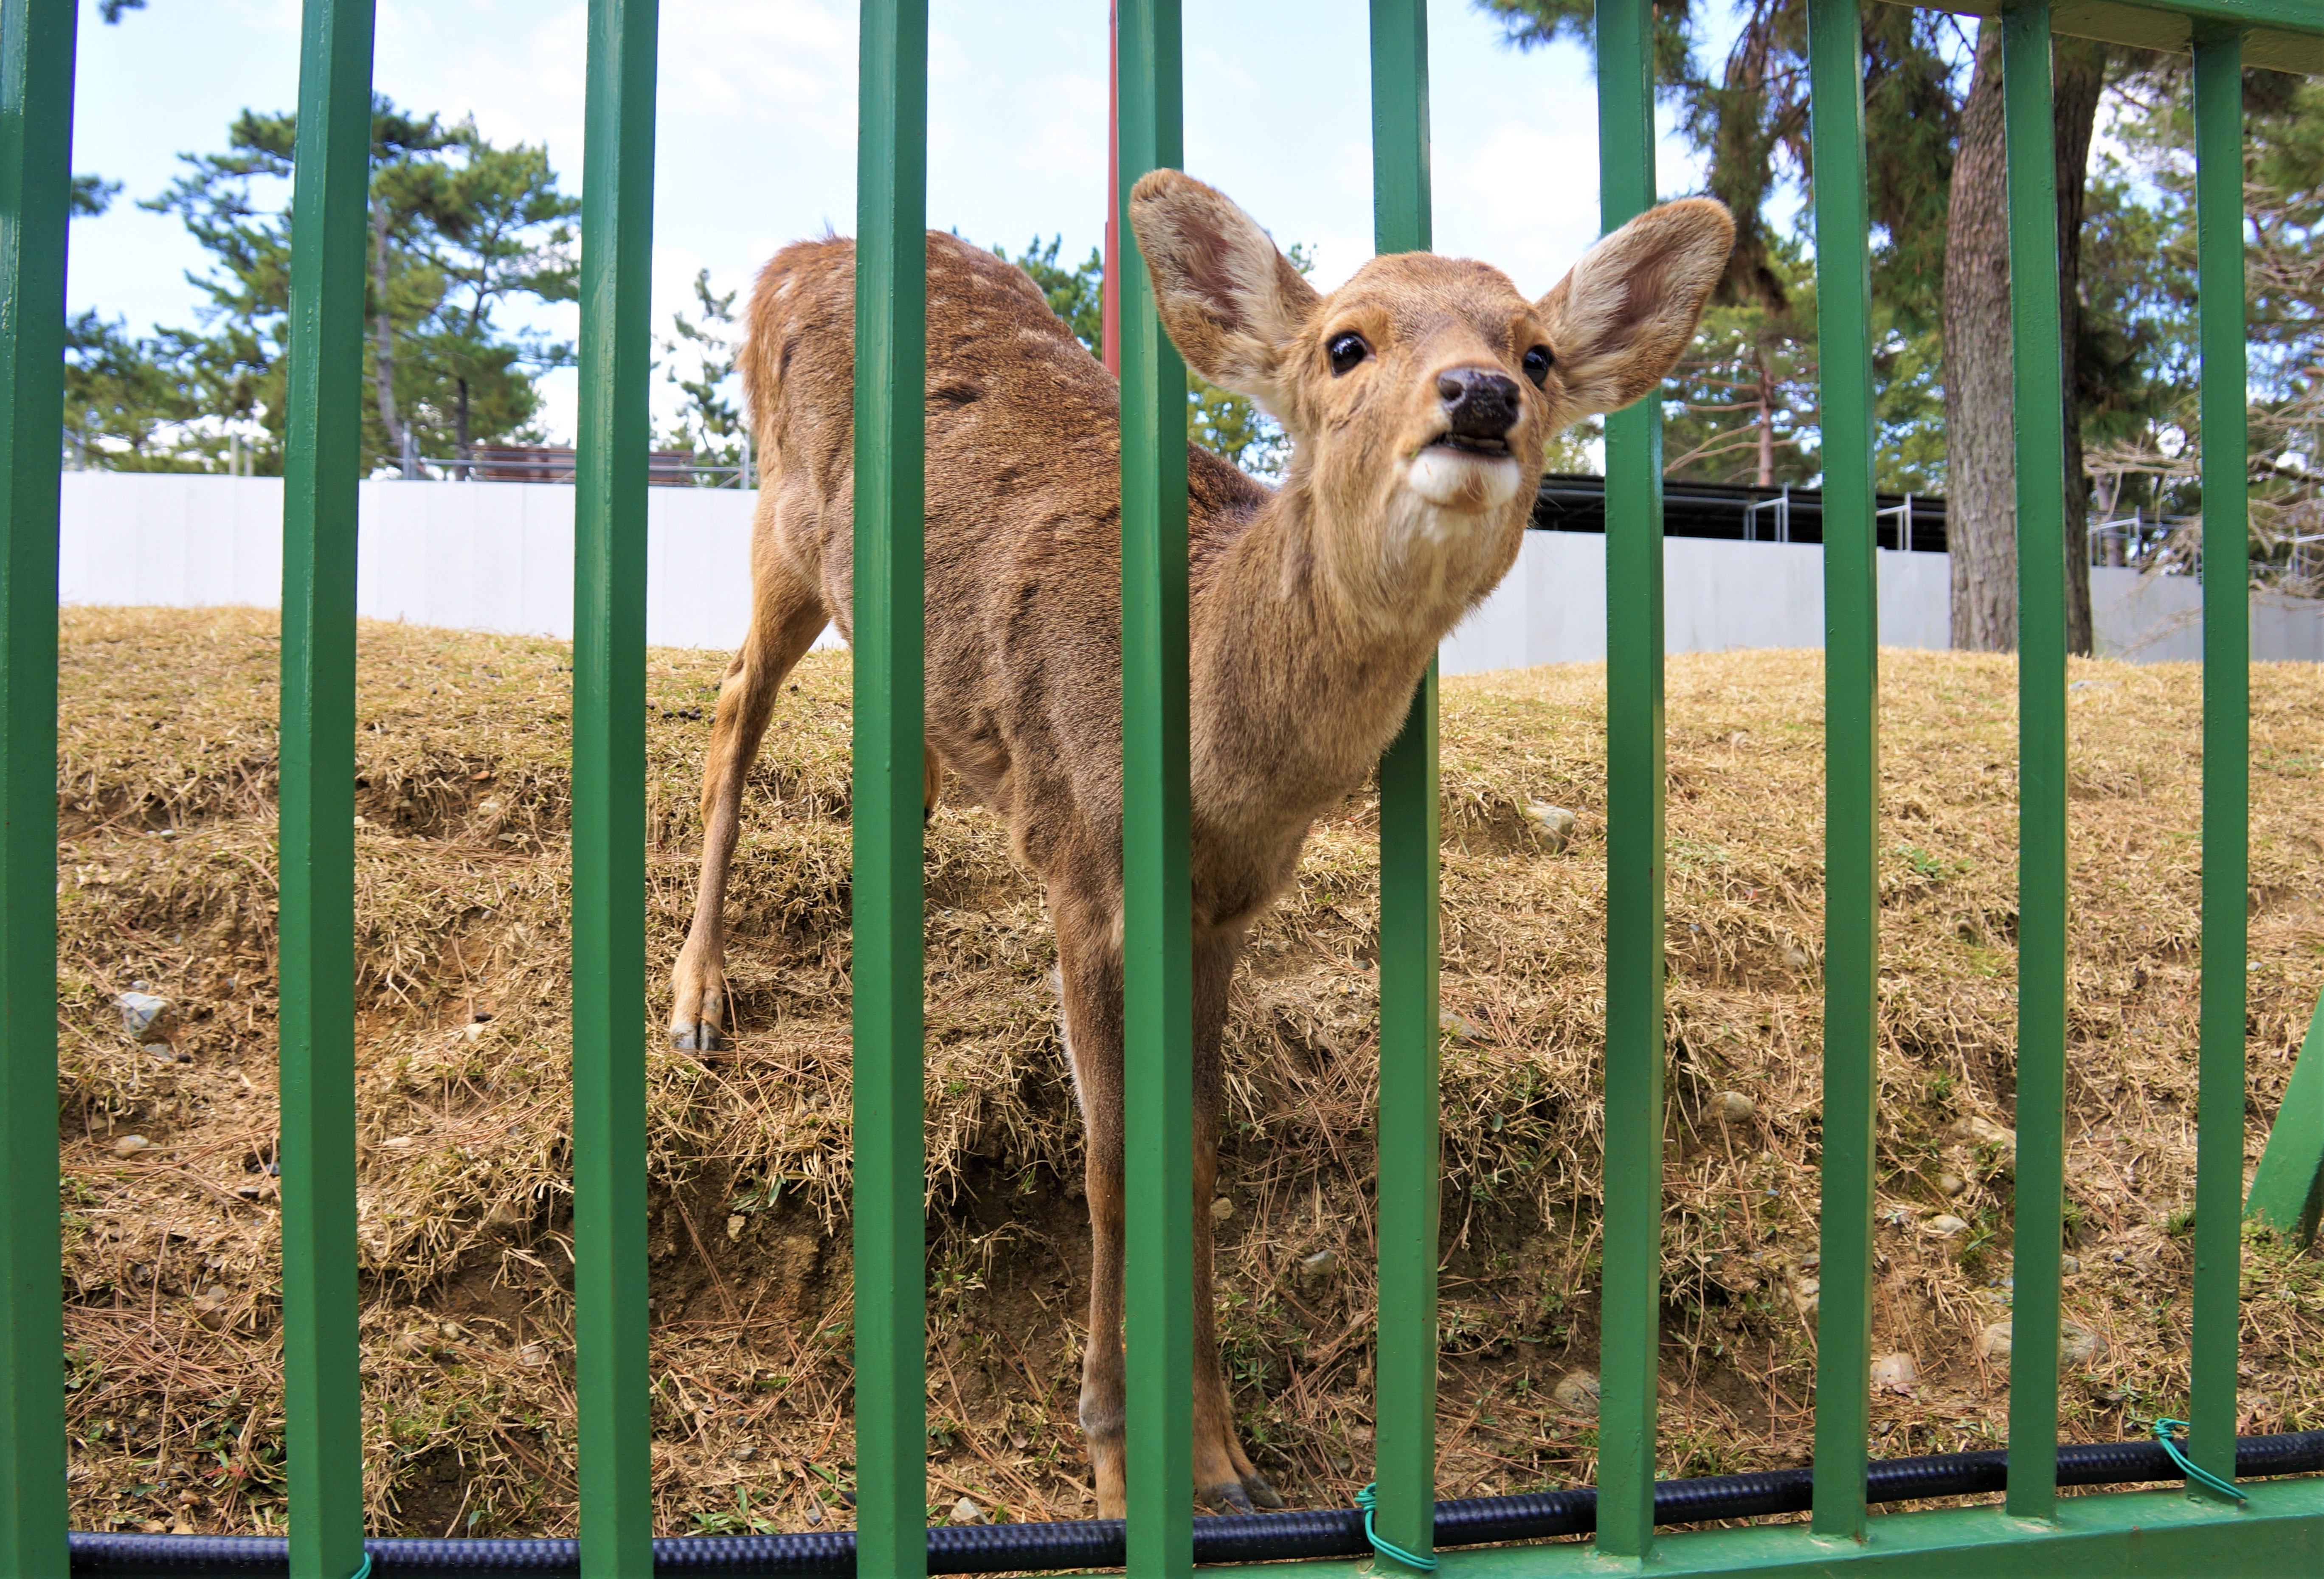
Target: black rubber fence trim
x=1097 y=1543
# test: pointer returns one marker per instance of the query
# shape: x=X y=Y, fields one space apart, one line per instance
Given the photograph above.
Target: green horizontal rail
x=611 y=1384
x=322 y=464
x=36 y=82
x=2282 y=35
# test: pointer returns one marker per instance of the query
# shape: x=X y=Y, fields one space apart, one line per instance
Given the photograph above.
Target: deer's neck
x=1310 y=631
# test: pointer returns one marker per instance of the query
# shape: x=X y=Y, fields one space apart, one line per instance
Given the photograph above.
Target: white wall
x=1717 y=596
x=499 y=557
x=473 y=555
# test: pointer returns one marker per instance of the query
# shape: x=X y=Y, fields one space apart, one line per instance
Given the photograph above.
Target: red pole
x=1109 y=308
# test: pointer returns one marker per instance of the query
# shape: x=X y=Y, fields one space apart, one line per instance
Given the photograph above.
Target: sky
x=755 y=129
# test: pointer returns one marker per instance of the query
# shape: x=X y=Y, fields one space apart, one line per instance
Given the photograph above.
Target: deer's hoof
x=1255 y=1487
x=699 y=1037
x=1228 y=1497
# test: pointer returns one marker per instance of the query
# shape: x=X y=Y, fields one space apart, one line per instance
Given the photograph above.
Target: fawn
x=1417 y=397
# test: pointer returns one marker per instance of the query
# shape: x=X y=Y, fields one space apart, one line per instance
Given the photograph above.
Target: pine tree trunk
x=1980 y=471
x=383 y=337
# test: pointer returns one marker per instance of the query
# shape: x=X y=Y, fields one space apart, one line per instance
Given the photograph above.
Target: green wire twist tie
x=1368 y=1499
x=2163 y=1430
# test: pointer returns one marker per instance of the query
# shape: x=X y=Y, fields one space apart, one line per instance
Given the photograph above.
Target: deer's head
x=1418 y=396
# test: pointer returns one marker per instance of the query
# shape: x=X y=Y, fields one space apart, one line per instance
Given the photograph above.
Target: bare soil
x=166 y=878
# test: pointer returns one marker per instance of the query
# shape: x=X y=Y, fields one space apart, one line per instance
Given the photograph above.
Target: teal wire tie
x=2164 y=1430
x=1368 y=1499
x=363 y=1572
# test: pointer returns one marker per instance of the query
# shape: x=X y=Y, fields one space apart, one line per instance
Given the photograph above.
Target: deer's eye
x=1346 y=350
x=1538 y=363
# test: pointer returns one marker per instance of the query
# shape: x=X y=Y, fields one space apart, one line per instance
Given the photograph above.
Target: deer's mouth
x=1470 y=443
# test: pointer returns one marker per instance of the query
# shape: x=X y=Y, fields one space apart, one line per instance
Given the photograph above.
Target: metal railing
x=2282 y=1521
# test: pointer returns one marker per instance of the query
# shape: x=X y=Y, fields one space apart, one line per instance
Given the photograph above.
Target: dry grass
x=173 y=1317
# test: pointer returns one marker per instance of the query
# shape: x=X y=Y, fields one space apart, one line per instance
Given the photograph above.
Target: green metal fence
x=2280 y=1528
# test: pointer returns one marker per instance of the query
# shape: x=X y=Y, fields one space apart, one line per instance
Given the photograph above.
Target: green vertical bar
x=891 y=1440
x=323 y=460
x=1631 y=1308
x=1157 y=1057
x=2286 y=1186
x=2226 y=753
x=1404 y=1462
x=36 y=81
x=2037 y=382
x=609 y=794
x=1851 y=659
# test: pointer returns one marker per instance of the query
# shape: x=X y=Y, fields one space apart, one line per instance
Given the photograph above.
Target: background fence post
x=1852 y=898
x=2226 y=755
x=1406 y=1189
x=2037 y=391
x=322 y=462
x=1157 y=1042
x=609 y=793
x=1630 y=1319
x=891 y=1441
x=36 y=83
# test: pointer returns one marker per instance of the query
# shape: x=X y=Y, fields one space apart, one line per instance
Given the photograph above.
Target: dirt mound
x=166 y=872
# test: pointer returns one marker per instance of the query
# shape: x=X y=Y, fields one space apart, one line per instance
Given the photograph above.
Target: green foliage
x=1074 y=295
x=460 y=229
x=2147 y=439
x=708 y=425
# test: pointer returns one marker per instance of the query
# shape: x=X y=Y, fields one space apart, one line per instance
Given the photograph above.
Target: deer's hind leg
x=788 y=612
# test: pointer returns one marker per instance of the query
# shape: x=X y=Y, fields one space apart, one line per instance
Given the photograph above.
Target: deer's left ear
x=1620 y=319
x=1233 y=305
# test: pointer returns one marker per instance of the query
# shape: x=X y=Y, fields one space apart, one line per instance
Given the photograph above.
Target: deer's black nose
x=1478 y=402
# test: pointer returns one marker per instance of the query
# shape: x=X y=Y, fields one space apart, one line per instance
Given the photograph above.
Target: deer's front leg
x=1090 y=984
x=786 y=615
x=1224 y=1477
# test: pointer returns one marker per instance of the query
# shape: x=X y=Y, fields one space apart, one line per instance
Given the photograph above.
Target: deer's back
x=1023 y=521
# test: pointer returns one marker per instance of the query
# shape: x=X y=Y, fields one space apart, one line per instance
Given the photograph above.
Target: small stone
x=2079 y=1347
x=1808 y=1295
x=735 y=1224
x=532 y=1355
x=1222 y=1210
x=2069 y=1265
x=209 y=1306
x=1944 y=1225
x=411 y=1345
x=745 y=1453
x=1455 y=1026
x=1733 y=1106
x=1555 y=824
x=965 y=1512
x=145 y=1016
x=1951 y=1184
x=452 y=1329
x=814 y=1511
x=1019 y=1441
x=1993 y=1343
x=1894 y=1372
x=1577 y=1393
x=1796 y=958
x=128 y=1146
x=1314 y=1272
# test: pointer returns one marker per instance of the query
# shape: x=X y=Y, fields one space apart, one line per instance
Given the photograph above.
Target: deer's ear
x=1233 y=305
x=1621 y=318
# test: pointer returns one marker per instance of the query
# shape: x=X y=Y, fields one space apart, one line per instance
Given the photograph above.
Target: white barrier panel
x=1718 y=596
x=469 y=555
x=499 y=557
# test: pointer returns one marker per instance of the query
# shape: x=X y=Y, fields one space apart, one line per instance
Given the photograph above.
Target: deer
x=1417 y=399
